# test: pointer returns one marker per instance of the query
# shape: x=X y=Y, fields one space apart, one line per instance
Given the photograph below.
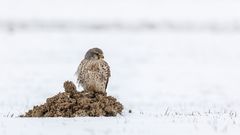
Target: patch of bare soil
x=72 y=103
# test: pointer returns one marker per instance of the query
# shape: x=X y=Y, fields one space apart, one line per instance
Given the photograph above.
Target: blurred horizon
x=127 y=15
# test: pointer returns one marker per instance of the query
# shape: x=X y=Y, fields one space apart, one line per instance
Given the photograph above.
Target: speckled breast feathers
x=93 y=75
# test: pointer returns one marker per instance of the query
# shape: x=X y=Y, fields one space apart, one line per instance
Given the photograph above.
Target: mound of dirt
x=72 y=103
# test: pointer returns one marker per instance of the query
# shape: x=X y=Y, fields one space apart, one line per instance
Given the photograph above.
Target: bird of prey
x=93 y=72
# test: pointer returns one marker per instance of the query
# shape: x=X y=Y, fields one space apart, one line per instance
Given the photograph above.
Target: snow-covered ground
x=188 y=82
x=175 y=81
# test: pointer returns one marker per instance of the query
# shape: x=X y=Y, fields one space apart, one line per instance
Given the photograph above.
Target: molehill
x=72 y=103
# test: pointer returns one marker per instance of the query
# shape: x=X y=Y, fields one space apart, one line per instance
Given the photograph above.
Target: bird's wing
x=106 y=72
x=79 y=71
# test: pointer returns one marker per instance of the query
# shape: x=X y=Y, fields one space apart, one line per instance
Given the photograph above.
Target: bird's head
x=94 y=54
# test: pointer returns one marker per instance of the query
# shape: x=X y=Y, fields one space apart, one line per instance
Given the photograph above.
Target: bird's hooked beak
x=101 y=56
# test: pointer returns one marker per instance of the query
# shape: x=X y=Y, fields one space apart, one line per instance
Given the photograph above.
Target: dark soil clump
x=72 y=103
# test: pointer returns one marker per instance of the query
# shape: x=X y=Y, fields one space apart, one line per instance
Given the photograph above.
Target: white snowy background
x=174 y=63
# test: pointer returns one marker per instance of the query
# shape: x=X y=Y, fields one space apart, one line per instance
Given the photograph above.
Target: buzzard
x=93 y=72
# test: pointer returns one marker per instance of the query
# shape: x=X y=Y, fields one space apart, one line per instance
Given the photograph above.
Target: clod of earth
x=72 y=103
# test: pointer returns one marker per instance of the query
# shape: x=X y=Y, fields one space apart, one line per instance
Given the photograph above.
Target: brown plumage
x=93 y=72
